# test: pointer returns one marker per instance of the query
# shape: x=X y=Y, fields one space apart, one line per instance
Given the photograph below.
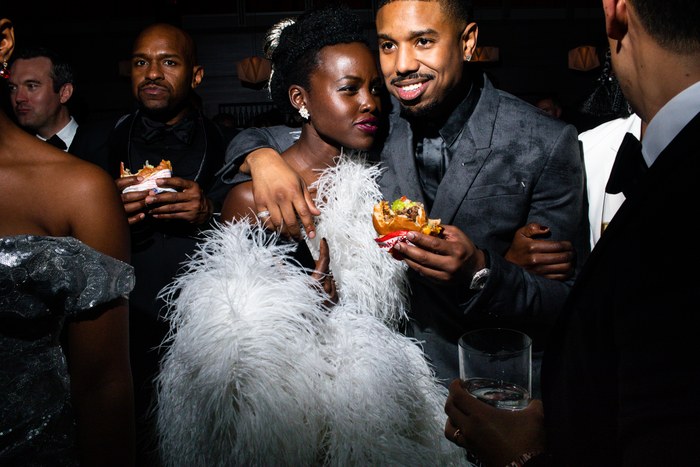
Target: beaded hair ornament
x=272 y=40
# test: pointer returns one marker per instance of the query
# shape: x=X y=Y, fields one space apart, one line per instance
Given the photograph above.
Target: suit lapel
x=469 y=153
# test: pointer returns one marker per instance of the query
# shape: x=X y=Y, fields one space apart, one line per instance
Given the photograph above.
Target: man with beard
x=164 y=224
x=481 y=160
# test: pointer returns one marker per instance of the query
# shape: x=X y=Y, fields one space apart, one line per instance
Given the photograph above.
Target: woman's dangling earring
x=303 y=111
x=4 y=72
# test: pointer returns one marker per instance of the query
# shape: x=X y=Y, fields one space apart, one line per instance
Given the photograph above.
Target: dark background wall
x=533 y=36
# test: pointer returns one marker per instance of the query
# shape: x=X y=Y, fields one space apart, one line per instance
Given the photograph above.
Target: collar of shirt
x=456 y=122
x=669 y=121
x=67 y=133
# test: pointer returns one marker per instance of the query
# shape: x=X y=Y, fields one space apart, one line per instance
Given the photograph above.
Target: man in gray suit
x=483 y=161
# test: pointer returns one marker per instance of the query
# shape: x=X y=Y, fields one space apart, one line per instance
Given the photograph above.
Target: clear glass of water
x=495 y=365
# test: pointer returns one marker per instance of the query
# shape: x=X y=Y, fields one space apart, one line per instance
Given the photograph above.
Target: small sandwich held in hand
x=150 y=174
x=393 y=221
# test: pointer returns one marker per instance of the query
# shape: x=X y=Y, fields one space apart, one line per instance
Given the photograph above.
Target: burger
x=393 y=221
x=404 y=215
x=147 y=170
x=150 y=174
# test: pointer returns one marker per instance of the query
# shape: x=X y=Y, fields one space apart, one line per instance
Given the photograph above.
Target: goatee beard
x=419 y=111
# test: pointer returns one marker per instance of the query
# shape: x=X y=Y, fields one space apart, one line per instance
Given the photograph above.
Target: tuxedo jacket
x=159 y=248
x=511 y=164
x=621 y=371
x=91 y=140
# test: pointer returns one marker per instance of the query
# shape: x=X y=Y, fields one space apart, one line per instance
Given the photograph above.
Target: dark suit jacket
x=511 y=165
x=160 y=247
x=621 y=376
x=91 y=140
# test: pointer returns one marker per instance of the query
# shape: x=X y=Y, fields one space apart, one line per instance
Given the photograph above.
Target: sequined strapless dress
x=43 y=281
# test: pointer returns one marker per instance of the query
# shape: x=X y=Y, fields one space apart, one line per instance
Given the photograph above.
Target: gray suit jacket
x=511 y=165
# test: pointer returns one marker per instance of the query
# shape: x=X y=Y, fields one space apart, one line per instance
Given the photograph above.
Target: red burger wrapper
x=388 y=241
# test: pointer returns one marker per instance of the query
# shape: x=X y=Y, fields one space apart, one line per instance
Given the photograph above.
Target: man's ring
x=263 y=214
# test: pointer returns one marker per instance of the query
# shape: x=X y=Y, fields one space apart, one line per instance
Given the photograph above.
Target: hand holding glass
x=495 y=365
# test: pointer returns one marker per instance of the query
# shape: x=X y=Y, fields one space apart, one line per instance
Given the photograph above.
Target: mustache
x=412 y=76
x=151 y=82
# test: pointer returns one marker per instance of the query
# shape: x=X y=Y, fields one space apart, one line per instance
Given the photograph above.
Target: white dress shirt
x=67 y=133
x=669 y=121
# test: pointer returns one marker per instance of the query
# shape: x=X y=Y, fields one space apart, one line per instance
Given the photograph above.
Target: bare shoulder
x=82 y=175
x=94 y=208
x=78 y=180
x=87 y=189
x=239 y=202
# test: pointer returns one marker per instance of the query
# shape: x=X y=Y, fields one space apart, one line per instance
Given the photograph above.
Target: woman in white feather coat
x=260 y=370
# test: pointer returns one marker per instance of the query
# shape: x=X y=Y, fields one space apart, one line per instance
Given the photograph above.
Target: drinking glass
x=495 y=366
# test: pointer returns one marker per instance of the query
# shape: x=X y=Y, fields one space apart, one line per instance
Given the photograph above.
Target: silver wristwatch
x=479 y=279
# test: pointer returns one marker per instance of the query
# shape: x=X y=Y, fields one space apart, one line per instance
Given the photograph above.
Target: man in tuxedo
x=621 y=371
x=165 y=222
x=42 y=86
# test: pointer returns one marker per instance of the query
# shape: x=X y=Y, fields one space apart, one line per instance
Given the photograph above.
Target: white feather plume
x=258 y=372
x=365 y=275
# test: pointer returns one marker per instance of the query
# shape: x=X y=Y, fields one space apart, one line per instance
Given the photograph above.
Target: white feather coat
x=259 y=372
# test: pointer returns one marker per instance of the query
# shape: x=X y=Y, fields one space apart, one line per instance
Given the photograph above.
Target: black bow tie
x=57 y=142
x=154 y=130
x=629 y=167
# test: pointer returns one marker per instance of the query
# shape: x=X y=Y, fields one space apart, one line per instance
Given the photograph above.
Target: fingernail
x=312 y=234
x=410 y=235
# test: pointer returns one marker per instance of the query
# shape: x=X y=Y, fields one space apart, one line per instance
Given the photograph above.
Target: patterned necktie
x=57 y=142
x=628 y=169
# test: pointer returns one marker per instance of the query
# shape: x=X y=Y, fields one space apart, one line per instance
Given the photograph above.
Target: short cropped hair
x=62 y=72
x=458 y=10
x=293 y=46
x=674 y=24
